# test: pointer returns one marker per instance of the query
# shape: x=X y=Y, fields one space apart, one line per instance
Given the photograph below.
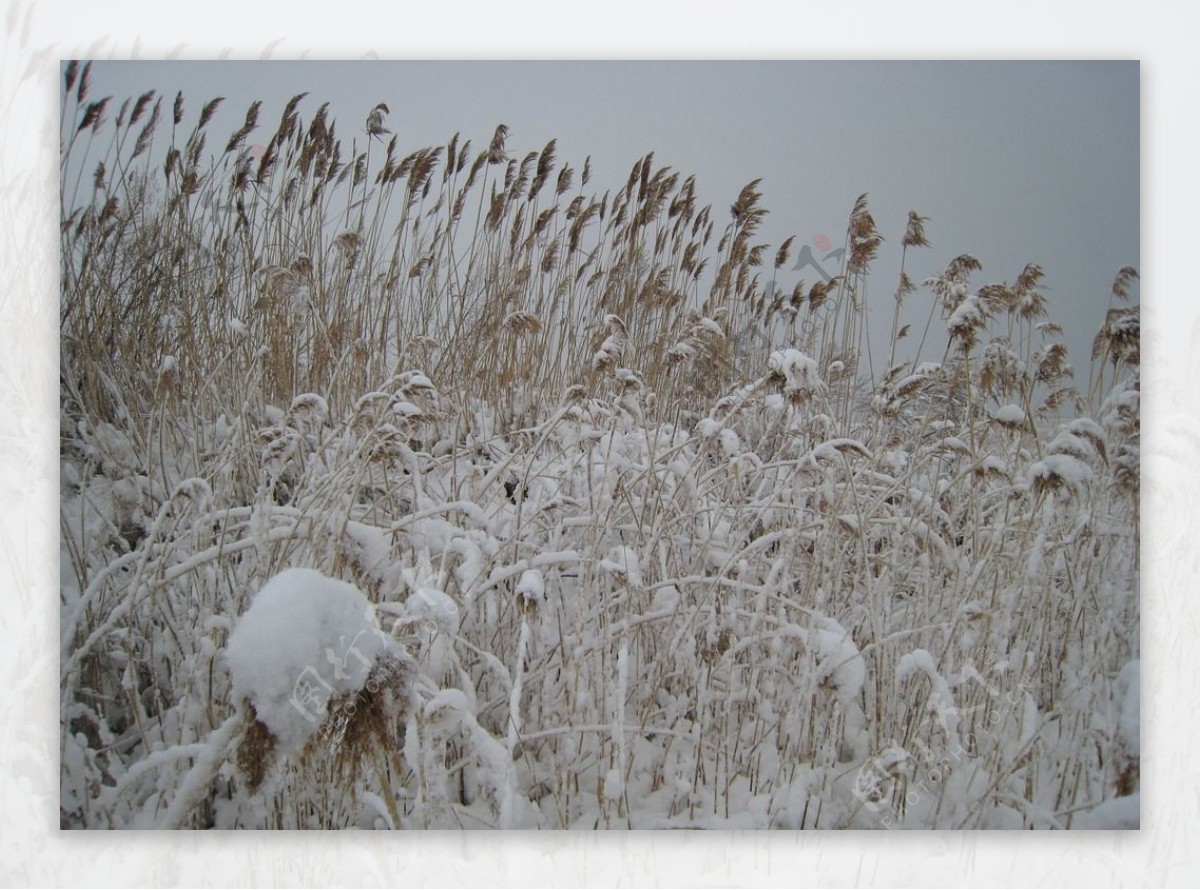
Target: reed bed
x=657 y=544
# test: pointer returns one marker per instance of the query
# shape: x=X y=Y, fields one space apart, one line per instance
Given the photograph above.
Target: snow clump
x=799 y=373
x=305 y=640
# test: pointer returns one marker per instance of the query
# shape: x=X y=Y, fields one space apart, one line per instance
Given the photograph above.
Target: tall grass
x=711 y=566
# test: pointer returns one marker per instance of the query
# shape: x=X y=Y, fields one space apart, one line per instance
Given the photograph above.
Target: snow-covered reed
x=635 y=546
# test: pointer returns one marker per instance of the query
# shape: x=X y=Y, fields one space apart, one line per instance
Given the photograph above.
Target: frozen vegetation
x=429 y=490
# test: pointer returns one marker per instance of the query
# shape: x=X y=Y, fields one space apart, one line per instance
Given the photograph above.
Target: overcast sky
x=1014 y=162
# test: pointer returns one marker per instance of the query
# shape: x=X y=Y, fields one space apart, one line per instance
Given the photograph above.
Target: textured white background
x=33 y=852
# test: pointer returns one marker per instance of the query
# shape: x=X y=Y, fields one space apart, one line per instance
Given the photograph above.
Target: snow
x=918 y=661
x=798 y=370
x=1129 y=698
x=624 y=563
x=532 y=585
x=730 y=443
x=1117 y=813
x=840 y=665
x=373 y=554
x=415 y=381
x=956 y=444
x=310 y=410
x=1086 y=427
x=941 y=699
x=1076 y=446
x=428 y=601
x=1011 y=415
x=305 y=639
x=657 y=596
x=1064 y=468
x=969 y=314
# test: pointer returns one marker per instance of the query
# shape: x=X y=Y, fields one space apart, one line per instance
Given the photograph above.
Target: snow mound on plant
x=798 y=370
x=305 y=640
x=1010 y=415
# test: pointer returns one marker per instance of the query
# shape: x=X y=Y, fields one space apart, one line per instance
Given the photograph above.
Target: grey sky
x=1014 y=162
